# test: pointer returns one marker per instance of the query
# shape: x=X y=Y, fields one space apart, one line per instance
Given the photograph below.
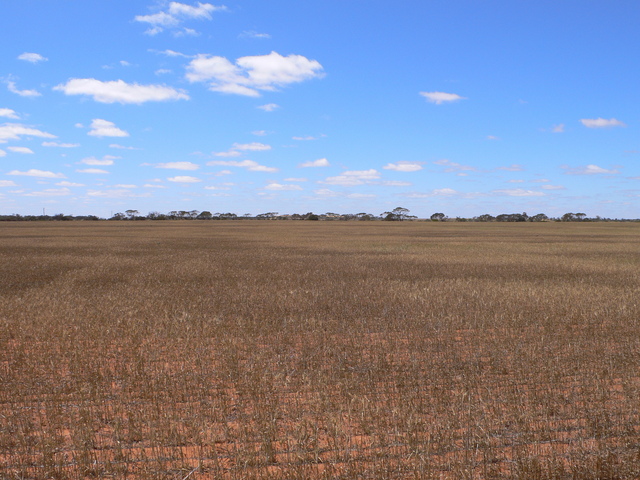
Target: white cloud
x=492 y=137
x=353 y=178
x=150 y=185
x=252 y=147
x=178 y=165
x=321 y=162
x=291 y=179
x=361 y=195
x=222 y=173
x=32 y=57
x=3 y=153
x=37 y=173
x=602 y=123
x=269 y=107
x=248 y=164
x=453 y=167
x=162 y=71
x=558 y=128
x=553 y=187
x=444 y=191
x=176 y=14
x=514 y=167
x=184 y=179
x=325 y=192
x=396 y=183
x=116 y=193
x=11 y=86
x=106 y=160
x=403 y=166
x=216 y=188
x=8 y=183
x=519 y=192
x=305 y=138
x=20 y=150
x=441 y=97
x=60 y=145
x=93 y=171
x=120 y=91
x=590 y=170
x=122 y=147
x=13 y=131
x=251 y=74
x=8 y=113
x=282 y=187
x=254 y=34
x=50 y=192
x=69 y=184
x=259 y=133
x=228 y=153
x=105 y=128
x=125 y=186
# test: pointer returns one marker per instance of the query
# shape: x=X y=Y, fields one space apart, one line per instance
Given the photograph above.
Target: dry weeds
x=272 y=350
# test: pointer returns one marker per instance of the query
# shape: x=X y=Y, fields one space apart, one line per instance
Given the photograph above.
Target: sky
x=463 y=107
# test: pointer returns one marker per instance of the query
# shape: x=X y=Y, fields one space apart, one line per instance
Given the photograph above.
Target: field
x=307 y=350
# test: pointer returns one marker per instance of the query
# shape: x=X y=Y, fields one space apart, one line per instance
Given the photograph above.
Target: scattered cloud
x=589 y=170
x=60 y=145
x=558 y=128
x=353 y=178
x=441 y=97
x=93 y=171
x=282 y=187
x=291 y=179
x=3 y=153
x=321 y=162
x=13 y=131
x=122 y=147
x=177 y=13
x=50 y=192
x=37 y=173
x=8 y=183
x=553 y=187
x=116 y=193
x=118 y=91
x=259 y=133
x=106 y=160
x=254 y=34
x=269 y=107
x=8 y=113
x=601 y=123
x=396 y=183
x=249 y=75
x=69 y=184
x=512 y=168
x=32 y=57
x=105 y=128
x=453 y=167
x=248 y=164
x=306 y=138
x=178 y=165
x=184 y=179
x=237 y=149
x=519 y=192
x=403 y=166
x=11 y=86
x=20 y=150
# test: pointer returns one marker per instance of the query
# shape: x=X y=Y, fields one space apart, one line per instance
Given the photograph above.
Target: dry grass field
x=308 y=350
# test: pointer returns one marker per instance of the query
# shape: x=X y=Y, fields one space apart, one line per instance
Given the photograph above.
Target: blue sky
x=247 y=106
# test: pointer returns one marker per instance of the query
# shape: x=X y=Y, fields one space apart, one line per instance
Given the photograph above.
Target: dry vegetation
x=268 y=350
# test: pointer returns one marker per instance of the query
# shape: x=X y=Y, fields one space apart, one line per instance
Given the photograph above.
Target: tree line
x=398 y=214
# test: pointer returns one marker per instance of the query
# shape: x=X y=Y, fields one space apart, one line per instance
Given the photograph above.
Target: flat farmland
x=309 y=350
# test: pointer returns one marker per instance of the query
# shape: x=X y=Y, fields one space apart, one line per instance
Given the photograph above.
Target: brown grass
x=278 y=350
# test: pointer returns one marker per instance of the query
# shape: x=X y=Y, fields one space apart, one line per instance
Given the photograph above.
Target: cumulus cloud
x=119 y=91
x=453 y=167
x=32 y=57
x=396 y=183
x=249 y=75
x=105 y=128
x=69 y=184
x=122 y=147
x=178 y=165
x=441 y=97
x=589 y=170
x=601 y=123
x=11 y=86
x=50 y=192
x=93 y=171
x=13 y=131
x=237 y=149
x=37 y=173
x=106 y=160
x=519 y=192
x=321 y=162
x=248 y=164
x=403 y=166
x=8 y=113
x=353 y=178
x=60 y=145
x=269 y=107
x=19 y=149
x=184 y=179
x=176 y=14
x=552 y=187
x=282 y=187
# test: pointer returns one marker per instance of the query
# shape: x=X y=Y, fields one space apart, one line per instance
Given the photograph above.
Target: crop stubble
x=256 y=349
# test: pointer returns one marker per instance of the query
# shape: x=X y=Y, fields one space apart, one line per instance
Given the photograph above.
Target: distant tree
x=438 y=217
x=580 y=216
x=485 y=218
x=204 y=215
x=118 y=216
x=397 y=214
x=313 y=217
x=568 y=217
x=540 y=217
x=131 y=214
x=267 y=215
